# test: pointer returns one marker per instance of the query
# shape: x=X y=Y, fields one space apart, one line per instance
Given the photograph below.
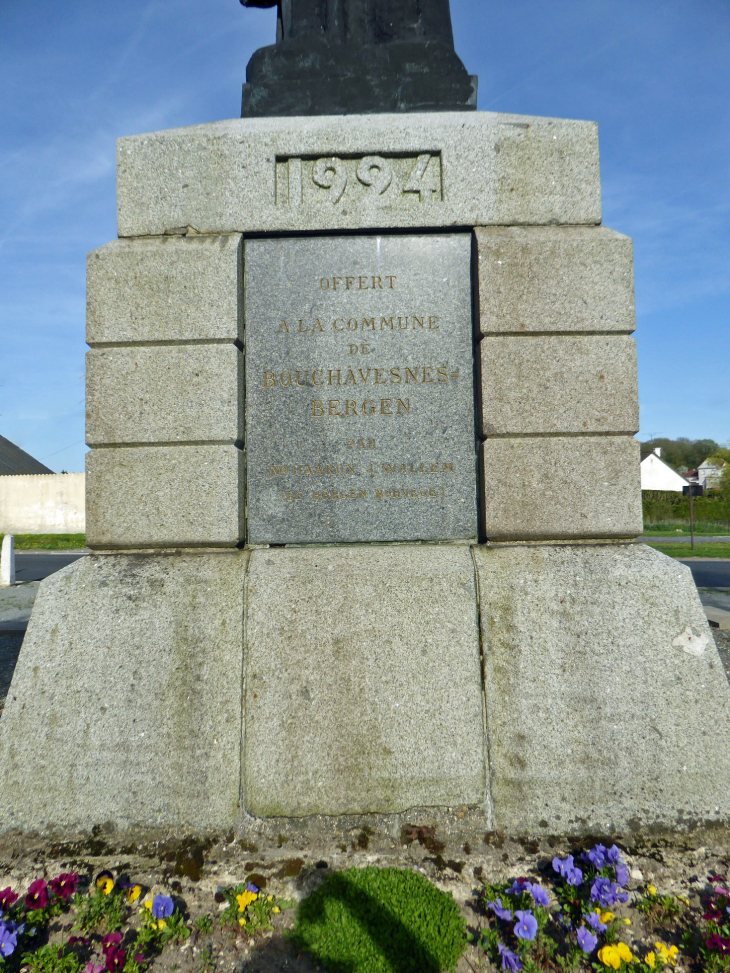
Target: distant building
x=710 y=474
x=657 y=475
x=14 y=461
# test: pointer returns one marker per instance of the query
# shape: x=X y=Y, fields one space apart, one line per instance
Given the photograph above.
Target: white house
x=656 y=475
x=709 y=474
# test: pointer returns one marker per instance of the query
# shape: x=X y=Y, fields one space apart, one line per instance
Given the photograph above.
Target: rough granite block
x=164 y=394
x=171 y=288
x=562 y=487
x=164 y=496
x=125 y=706
x=424 y=169
x=553 y=278
x=608 y=709
x=363 y=682
x=559 y=384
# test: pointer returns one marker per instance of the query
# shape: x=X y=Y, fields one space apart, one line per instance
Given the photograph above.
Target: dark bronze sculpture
x=346 y=56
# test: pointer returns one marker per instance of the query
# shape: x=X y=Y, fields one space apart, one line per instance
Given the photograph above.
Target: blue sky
x=77 y=74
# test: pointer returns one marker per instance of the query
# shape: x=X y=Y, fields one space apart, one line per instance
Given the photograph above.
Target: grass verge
x=48 y=542
x=680 y=528
x=701 y=550
x=380 y=920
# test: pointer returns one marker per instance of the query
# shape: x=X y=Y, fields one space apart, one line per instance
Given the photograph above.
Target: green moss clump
x=380 y=920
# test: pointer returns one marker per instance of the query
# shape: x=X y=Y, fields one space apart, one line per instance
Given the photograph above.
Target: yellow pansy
x=276 y=910
x=245 y=899
x=609 y=956
x=241 y=921
x=624 y=952
x=269 y=898
x=626 y=922
x=606 y=916
x=651 y=889
x=106 y=885
x=148 y=903
x=134 y=893
x=650 y=960
x=161 y=924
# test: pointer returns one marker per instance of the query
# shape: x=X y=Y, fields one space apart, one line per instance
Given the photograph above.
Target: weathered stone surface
x=360 y=391
x=559 y=384
x=607 y=705
x=555 y=279
x=415 y=170
x=363 y=683
x=125 y=705
x=171 y=288
x=562 y=487
x=164 y=496
x=164 y=394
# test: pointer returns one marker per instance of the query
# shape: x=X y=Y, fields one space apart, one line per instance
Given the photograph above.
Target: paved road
x=37 y=565
x=685 y=539
x=710 y=573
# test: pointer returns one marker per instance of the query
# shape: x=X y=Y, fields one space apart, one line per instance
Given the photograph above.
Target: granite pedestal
x=363 y=499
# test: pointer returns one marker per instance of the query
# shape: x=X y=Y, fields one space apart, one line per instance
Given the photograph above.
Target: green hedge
x=664 y=506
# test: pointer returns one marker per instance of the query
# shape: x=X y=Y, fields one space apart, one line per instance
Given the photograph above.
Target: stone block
x=567 y=279
x=363 y=681
x=423 y=169
x=608 y=709
x=559 y=384
x=164 y=394
x=368 y=380
x=171 y=288
x=164 y=496
x=562 y=487
x=125 y=705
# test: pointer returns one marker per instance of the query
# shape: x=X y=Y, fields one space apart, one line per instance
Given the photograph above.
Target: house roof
x=15 y=461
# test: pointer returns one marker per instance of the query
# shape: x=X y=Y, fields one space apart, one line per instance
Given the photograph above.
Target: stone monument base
x=550 y=688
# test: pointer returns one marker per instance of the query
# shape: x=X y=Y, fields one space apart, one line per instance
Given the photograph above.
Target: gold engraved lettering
x=283 y=328
x=386 y=323
x=317 y=326
x=318 y=371
x=334 y=403
x=334 y=324
x=317 y=408
x=302 y=329
x=304 y=383
x=432 y=323
x=269 y=380
x=282 y=377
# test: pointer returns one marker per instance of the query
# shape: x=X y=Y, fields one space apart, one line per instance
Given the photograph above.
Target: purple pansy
x=539 y=895
x=613 y=855
x=568 y=870
x=499 y=910
x=526 y=925
x=521 y=885
x=510 y=960
x=596 y=856
x=162 y=906
x=8 y=938
x=606 y=893
x=594 y=920
x=253 y=888
x=622 y=875
x=586 y=940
